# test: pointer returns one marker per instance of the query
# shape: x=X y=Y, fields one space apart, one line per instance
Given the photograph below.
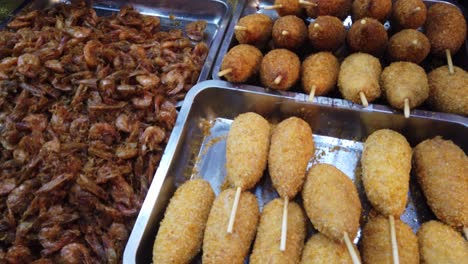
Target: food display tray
x=174 y=14
x=198 y=142
x=460 y=59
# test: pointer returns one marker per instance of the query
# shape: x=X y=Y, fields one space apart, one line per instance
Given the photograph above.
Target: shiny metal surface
x=174 y=14
x=339 y=129
x=460 y=59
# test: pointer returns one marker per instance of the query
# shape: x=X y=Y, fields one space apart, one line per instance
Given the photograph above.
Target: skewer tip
x=364 y=101
x=350 y=248
x=449 y=61
x=284 y=32
x=224 y=72
x=240 y=28
x=284 y=225
x=272 y=7
x=307 y=3
x=232 y=217
x=406 y=109
x=278 y=79
x=396 y=258
x=312 y=93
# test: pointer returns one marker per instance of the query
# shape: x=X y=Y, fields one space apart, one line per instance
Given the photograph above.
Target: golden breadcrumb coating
x=280 y=62
x=446 y=28
x=449 y=92
x=267 y=244
x=289 y=7
x=367 y=35
x=408 y=45
x=442 y=171
x=296 y=32
x=327 y=33
x=291 y=148
x=439 y=243
x=386 y=167
x=247 y=150
x=378 y=9
x=360 y=72
x=402 y=80
x=244 y=60
x=320 y=69
x=180 y=233
x=377 y=246
x=338 y=8
x=409 y=13
x=258 y=30
x=218 y=245
x=322 y=250
x=331 y=201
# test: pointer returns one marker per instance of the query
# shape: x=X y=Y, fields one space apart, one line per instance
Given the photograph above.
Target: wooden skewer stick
x=406 y=109
x=284 y=32
x=316 y=25
x=284 y=225
x=465 y=230
x=224 y=72
x=350 y=247
x=272 y=7
x=278 y=79
x=449 y=61
x=234 y=210
x=396 y=258
x=307 y=3
x=363 y=99
x=240 y=28
x=417 y=9
x=312 y=93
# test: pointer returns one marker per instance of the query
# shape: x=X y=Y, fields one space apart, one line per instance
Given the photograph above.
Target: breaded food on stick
x=220 y=246
x=323 y=250
x=441 y=169
x=449 y=92
x=241 y=63
x=266 y=248
x=377 y=247
x=439 y=243
x=180 y=234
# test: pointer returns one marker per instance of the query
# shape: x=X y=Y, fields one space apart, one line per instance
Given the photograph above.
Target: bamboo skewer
x=284 y=32
x=449 y=61
x=363 y=99
x=350 y=247
x=272 y=7
x=278 y=79
x=284 y=225
x=241 y=28
x=465 y=231
x=396 y=258
x=224 y=72
x=312 y=93
x=232 y=217
x=307 y=3
x=406 y=109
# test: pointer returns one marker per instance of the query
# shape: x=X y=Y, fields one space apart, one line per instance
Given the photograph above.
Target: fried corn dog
x=319 y=73
x=439 y=243
x=441 y=168
x=331 y=201
x=180 y=234
x=291 y=148
x=247 y=150
x=322 y=250
x=269 y=232
x=386 y=167
x=376 y=243
x=222 y=247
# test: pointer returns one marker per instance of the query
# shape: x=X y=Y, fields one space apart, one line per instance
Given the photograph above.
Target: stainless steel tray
x=173 y=14
x=339 y=129
x=251 y=6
